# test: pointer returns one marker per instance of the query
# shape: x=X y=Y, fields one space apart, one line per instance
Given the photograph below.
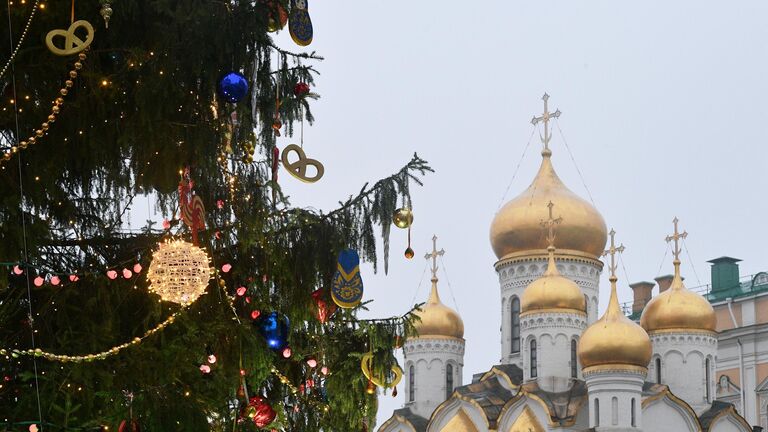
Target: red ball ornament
x=260 y=411
x=301 y=89
x=55 y=280
x=324 y=308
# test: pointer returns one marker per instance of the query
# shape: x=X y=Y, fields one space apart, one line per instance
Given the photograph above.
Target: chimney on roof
x=725 y=273
x=664 y=282
x=643 y=295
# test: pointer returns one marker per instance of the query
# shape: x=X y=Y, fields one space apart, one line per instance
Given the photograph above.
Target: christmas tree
x=108 y=104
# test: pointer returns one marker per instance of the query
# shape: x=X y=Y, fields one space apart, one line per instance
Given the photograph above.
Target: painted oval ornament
x=347 y=285
x=299 y=23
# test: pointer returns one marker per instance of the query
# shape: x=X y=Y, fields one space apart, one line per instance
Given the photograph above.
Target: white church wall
x=515 y=275
x=683 y=366
x=615 y=398
x=553 y=332
x=430 y=356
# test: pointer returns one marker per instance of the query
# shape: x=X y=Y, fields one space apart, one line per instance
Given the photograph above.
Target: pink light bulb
x=39 y=281
x=127 y=273
x=55 y=280
x=137 y=268
x=17 y=271
x=112 y=274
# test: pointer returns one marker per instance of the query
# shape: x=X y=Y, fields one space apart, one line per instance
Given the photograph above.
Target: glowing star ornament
x=179 y=272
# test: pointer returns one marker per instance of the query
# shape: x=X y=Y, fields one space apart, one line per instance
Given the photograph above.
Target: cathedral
x=563 y=367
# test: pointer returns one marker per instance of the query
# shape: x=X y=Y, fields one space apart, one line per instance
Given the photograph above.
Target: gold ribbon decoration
x=72 y=43
x=298 y=168
x=389 y=380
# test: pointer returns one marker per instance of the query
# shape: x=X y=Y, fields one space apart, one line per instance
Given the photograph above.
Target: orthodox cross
x=676 y=237
x=544 y=117
x=549 y=225
x=612 y=251
x=433 y=256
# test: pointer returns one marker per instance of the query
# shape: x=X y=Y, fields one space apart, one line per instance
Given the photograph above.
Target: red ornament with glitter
x=259 y=410
x=301 y=89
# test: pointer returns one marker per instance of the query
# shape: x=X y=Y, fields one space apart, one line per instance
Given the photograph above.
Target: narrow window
x=515 y=308
x=632 y=413
x=658 y=370
x=615 y=411
x=412 y=384
x=586 y=305
x=448 y=381
x=534 y=357
x=597 y=412
x=706 y=375
x=574 y=369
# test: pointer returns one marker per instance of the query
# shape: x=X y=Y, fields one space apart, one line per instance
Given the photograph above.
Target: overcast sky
x=663 y=108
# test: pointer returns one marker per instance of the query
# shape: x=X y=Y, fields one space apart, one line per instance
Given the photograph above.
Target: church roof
x=489 y=395
x=563 y=406
x=418 y=422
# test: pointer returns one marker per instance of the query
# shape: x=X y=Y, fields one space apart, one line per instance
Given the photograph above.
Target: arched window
x=574 y=368
x=632 y=413
x=412 y=384
x=706 y=382
x=515 y=309
x=658 y=370
x=534 y=357
x=614 y=411
x=448 y=381
x=586 y=305
x=597 y=412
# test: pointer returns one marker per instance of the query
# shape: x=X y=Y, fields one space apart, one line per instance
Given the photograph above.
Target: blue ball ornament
x=274 y=327
x=233 y=87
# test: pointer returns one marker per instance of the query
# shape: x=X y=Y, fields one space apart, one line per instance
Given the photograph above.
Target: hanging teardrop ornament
x=408 y=251
x=394 y=392
x=371 y=389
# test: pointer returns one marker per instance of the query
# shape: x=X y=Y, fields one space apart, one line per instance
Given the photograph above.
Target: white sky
x=663 y=108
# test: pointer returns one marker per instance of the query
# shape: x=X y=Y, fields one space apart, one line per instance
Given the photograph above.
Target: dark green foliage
x=127 y=140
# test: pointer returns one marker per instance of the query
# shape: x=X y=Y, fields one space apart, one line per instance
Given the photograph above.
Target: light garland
x=90 y=357
x=57 y=103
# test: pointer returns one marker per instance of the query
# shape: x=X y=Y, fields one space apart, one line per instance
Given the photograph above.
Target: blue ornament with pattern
x=347 y=285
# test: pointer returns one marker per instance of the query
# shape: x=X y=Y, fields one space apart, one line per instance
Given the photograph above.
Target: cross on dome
x=612 y=251
x=545 y=117
x=549 y=225
x=676 y=238
x=433 y=256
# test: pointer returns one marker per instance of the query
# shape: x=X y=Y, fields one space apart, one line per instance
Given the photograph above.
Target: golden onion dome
x=516 y=227
x=438 y=319
x=614 y=339
x=552 y=292
x=677 y=308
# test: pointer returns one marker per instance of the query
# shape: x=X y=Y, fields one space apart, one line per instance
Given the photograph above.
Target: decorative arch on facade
x=661 y=406
x=525 y=405
x=729 y=421
x=397 y=423
x=458 y=414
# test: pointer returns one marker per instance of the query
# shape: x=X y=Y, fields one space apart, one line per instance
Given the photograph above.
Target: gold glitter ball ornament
x=403 y=217
x=179 y=272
